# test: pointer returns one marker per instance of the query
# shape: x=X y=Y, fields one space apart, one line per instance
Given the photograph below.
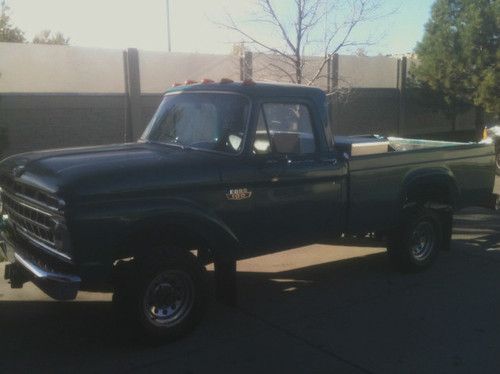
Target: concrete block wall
x=59 y=96
x=41 y=121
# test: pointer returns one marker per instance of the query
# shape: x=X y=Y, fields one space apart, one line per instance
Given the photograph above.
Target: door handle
x=332 y=161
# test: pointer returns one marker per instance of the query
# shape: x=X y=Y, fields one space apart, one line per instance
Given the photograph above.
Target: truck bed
x=377 y=181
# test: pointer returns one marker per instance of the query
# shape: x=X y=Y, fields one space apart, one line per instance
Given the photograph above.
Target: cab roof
x=255 y=89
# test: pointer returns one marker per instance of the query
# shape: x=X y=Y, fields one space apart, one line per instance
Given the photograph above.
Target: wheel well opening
x=171 y=236
x=441 y=193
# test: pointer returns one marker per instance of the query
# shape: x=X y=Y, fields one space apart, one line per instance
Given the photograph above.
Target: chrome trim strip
x=23 y=203
x=34 y=201
x=43 y=274
x=45 y=246
x=37 y=204
x=28 y=233
x=9 y=210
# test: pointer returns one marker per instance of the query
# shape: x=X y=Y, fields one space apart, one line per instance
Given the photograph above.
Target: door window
x=284 y=128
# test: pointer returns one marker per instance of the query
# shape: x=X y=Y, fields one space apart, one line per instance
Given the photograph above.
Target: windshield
x=209 y=121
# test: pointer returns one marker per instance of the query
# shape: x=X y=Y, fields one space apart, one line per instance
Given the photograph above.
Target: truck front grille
x=28 y=220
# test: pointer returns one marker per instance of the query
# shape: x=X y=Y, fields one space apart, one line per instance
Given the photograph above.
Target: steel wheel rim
x=169 y=298
x=423 y=240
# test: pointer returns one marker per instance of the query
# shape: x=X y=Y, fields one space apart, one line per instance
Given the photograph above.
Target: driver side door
x=299 y=190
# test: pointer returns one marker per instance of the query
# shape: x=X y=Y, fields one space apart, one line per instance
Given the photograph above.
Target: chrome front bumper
x=22 y=268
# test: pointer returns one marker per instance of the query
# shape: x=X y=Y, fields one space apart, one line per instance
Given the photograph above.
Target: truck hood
x=117 y=168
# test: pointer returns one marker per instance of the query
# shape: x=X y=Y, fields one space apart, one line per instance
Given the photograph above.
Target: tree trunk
x=298 y=70
x=479 y=122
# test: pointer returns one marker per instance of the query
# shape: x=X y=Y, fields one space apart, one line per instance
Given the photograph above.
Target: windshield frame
x=151 y=125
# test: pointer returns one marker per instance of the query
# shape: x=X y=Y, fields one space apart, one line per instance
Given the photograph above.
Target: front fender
x=107 y=231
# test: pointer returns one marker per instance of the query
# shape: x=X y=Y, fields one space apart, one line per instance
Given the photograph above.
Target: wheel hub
x=423 y=241
x=164 y=294
x=169 y=298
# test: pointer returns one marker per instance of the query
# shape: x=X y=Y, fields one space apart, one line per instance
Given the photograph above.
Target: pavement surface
x=324 y=309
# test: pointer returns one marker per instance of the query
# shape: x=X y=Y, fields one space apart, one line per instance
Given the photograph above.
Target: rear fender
x=434 y=187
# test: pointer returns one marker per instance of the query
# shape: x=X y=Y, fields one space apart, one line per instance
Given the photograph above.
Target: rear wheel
x=416 y=243
x=166 y=300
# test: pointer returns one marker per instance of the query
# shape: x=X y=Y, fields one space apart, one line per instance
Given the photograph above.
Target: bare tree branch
x=288 y=74
x=269 y=9
x=234 y=27
x=301 y=33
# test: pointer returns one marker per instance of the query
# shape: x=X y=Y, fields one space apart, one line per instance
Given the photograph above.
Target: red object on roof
x=207 y=81
x=248 y=82
x=176 y=84
x=189 y=81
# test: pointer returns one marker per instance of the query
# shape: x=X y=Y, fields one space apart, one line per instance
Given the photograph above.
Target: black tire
x=415 y=245
x=165 y=298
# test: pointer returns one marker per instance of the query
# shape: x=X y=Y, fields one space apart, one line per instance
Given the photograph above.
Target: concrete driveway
x=312 y=309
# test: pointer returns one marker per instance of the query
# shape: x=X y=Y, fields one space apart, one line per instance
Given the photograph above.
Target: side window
x=262 y=143
x=289 y=127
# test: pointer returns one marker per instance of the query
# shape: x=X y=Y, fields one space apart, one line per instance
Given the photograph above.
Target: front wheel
x=166 y=300
x=415 y=244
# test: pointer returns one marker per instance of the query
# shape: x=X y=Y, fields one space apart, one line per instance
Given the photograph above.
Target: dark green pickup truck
x=224 y=171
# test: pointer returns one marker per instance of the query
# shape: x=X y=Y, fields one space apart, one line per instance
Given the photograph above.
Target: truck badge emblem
x=239 y=194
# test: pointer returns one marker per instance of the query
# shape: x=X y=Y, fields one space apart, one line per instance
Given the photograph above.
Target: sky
x=142 y=24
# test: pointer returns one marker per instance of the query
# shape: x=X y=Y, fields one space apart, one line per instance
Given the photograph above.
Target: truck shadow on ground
x=355 y=310
x=479 y=231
